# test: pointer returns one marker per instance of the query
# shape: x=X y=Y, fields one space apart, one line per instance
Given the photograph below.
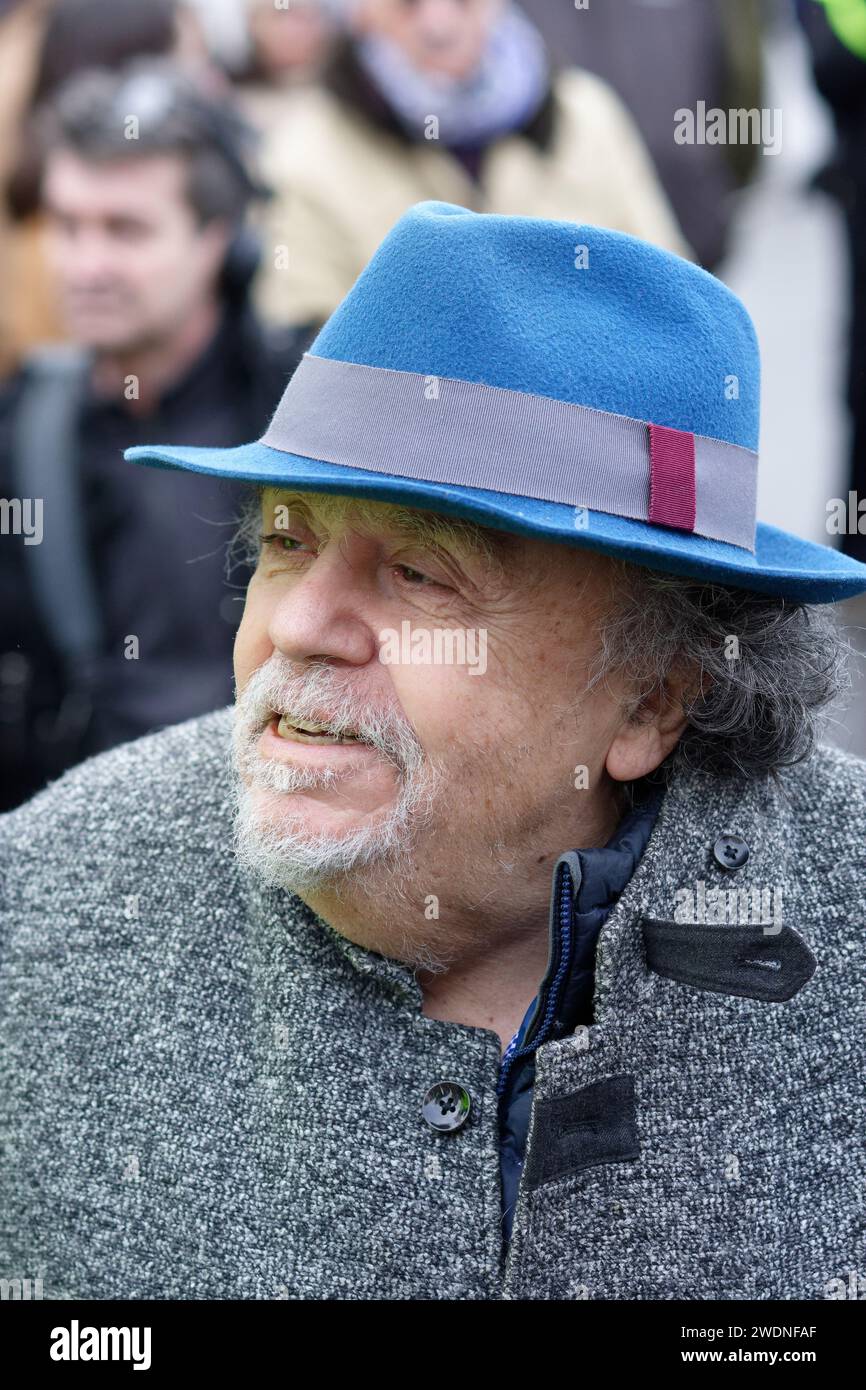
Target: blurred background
x=189 y=187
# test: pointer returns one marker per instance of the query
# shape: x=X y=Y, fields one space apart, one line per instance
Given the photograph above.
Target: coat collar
x=586 y=884
x=345 y=78
x=699 y=810
x=701 y=814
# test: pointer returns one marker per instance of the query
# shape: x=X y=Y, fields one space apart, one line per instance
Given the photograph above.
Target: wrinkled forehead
x=504 y=561
x=336 y=511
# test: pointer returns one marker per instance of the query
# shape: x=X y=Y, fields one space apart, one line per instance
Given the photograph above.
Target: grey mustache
x=296 y=695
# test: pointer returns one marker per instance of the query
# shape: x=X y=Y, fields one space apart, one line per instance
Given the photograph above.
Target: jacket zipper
x=566 y=882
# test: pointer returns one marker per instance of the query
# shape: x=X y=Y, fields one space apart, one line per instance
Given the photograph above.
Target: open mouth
x=308 y=731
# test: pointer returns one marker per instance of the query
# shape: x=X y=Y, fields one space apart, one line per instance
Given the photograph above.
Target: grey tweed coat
x=206 y=1092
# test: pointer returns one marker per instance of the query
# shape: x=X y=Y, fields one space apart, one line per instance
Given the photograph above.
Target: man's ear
x=650 y=730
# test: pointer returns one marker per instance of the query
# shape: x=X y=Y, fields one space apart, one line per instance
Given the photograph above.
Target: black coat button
x=730 y=851
x=446 y=1106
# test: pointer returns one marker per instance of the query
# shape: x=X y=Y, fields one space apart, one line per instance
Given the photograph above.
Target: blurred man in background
x=61 y=38
x=145 y=189
x=445 y=99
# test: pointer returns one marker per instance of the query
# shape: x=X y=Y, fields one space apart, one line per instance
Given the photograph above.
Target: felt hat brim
x=781 y=564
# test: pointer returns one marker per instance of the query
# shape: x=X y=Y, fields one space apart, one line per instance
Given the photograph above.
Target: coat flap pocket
x=591 y=1126
x=744 y=960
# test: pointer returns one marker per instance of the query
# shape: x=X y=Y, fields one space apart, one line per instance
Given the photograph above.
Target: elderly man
x=504 y=940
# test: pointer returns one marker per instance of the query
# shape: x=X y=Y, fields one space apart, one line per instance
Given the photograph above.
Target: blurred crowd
x=189 y=189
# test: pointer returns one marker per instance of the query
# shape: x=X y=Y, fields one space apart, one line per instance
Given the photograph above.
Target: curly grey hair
x=754 y=704
x=755 y=701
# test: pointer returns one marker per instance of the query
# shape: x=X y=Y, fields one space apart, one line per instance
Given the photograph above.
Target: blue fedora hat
x=553 y=379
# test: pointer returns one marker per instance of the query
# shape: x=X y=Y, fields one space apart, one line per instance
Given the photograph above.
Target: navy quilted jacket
x=586 y=884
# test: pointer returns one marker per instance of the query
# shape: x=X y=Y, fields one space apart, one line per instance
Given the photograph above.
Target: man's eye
x=415 y=579
x=280 y=542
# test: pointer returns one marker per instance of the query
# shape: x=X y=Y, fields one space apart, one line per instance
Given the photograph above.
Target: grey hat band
x=466 y=434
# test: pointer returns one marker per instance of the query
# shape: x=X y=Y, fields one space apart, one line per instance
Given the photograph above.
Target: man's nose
x=88 y=259
x=325 y=612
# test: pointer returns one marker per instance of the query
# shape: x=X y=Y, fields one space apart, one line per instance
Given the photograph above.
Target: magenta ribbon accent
x=672 y=477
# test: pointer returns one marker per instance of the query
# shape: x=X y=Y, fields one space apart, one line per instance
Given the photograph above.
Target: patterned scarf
x=503 y=93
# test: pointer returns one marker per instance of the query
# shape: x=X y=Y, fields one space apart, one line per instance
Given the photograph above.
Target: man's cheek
x=435 y=700
x=252 y=646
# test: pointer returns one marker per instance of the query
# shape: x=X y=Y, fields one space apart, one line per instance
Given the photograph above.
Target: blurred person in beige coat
x=455 y=100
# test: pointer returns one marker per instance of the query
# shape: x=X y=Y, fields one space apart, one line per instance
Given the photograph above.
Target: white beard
x=272 y=841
